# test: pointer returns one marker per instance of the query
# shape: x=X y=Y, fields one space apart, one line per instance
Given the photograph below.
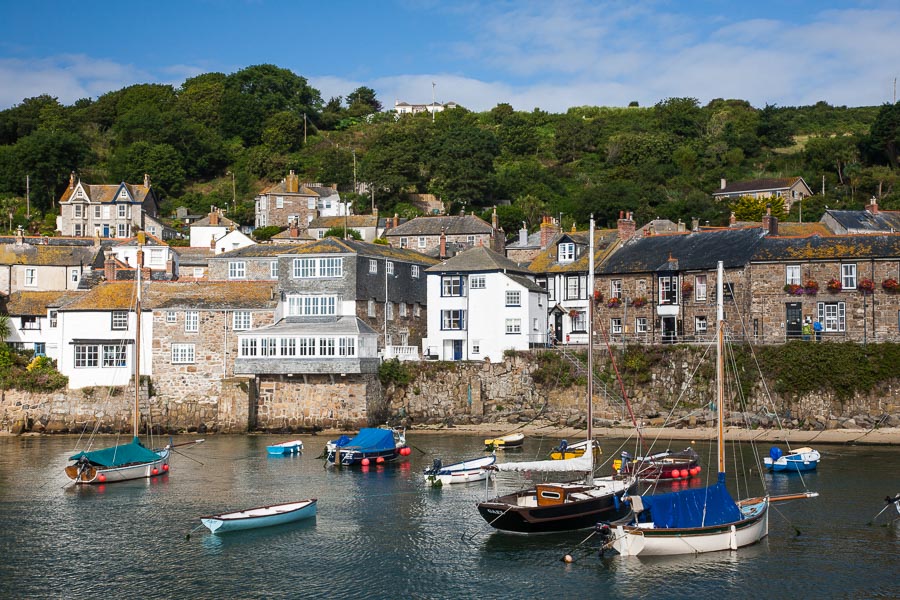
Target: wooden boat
x=461 y=472
x=696 y=520
x=513 y=440
x=263 y=516
x=802 y=459
x=371 y=445
x=284 y=448
x=549 y=507
x=662 y=466
x=565 y=451
x=133 y=460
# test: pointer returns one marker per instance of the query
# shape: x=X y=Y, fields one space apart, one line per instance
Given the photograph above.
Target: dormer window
x=567 y=252
x=123 y=193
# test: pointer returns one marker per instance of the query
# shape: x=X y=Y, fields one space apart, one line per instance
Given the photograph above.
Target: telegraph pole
x=28 y=197
x=433 y=107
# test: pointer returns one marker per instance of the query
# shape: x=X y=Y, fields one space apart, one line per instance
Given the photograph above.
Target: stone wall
x=318 y=402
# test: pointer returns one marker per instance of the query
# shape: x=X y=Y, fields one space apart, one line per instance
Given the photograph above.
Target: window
x=347 y=346
x=123 y=211
x=370 y=312
x=248 y=347
x=114 y=356
x=97 y=212
x=192 y=321
x=30 y=323
x=848 y=276
x=273 y=269
x=157 y=256
x=77 y=229
x=54 y=317
x=389 y=311
x=572 y=289
x=241 y=320
x=402 y=306
x=198 y=272
x=262 y=219
x=422 y=242
x=312 y=306
x=78 y=211
x=566 y=252
x=513 y=326
x=326 y=346
x=700 y=288
x=615 y=288
x=470 y=240
x=304 y=268
x=373 y=266
x=106 y=212
x=183 y=354
x=268 y=346
x=579 y=321
x=551 y=289
x=477 y=282
x=171 y=316
x=87 y=355
x=74 y=275
x=513 y=298
x=330 y=267
x=263 y=203
x=279 y=201
x=119 y=319
x=792 y=275
x=308 y=268
x=404 y=242
x=452 y=286
x=123 y=193
x=640 y=325
x=668 y=289
x=453 y=319
x=417 y=310
x=832 y=315
x=31 y=277
x=389 y=267
x=476 y=346
x=40 y=349
x=414 y=271
x=237 y=269
x=122 y=230
x=404 y=338
x=699 y=325
x=615 y=326
x=288 y=347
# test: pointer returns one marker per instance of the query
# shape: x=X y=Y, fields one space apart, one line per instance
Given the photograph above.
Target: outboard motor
x=562 y=447
x=775 y=453
x=435 y=467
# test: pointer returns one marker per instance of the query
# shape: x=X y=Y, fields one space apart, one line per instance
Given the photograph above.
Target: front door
x=794 y=320
x=457 y=349
x=557 y=327
x=106 y=231
x=669 y=330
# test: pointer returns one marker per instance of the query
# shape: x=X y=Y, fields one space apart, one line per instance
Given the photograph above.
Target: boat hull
x=648 y=541
x=462 y=472
x=514 y=440
x=582 y=507
x=285 y=448
x=94 y=475
x=666 y=466
x=794 y=463
x=575 y=450
x=264 y=516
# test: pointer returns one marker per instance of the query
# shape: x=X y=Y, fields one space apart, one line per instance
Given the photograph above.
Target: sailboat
x=703 y=519
x=124 y=461
x=551 y=507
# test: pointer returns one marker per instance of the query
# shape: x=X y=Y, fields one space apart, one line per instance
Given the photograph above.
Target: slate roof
x=757 y=185
x=451 y=225
x=688 y=251
x=193 y=257
x=828 y=248
x=303 y=235
x=51 y=241
x=255 y=251
x=477 y=260
x=532 y=241
x=345 y=325
x=108 y=194
x=526 y=283
x=322 y=191
x=212 y=295
x=351 y=221
x=47 y=255
x=114 y=295
x=605 y=241
x=36 y=303
x=863 y=220
x=329 y=245
x=282 y=186
x=223 y=222
x=802 y=229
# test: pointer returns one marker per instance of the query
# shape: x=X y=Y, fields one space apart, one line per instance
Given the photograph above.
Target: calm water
x=382 y=533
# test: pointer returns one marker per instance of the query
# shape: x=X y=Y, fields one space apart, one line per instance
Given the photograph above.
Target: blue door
x=106 y=231
x=457 y=349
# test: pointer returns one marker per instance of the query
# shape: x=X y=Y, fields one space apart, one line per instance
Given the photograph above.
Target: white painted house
x=481 y=304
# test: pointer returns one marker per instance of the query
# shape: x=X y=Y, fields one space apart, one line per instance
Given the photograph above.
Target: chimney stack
x=872 y=206
x=523 y=235
x=443 y=244
x=212 y=243
x=71 y=180
x=292 y=183
x=396 y=220
x=625 y=226
x=213 y=216
x=548 y=230
x=109 y=268
x=147 y=181
x=681 y=226
x=770 y=222
x=732 y=220
x=695 y=224
x=723 y=183
x=20 y=236
x=494 y=219
x=294 y=229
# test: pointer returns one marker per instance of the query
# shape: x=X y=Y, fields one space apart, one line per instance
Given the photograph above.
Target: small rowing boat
x=263 y=516
x=513 y=440
x=565 y=451
x=292 y=447
x=801 y=459
x=461 y=472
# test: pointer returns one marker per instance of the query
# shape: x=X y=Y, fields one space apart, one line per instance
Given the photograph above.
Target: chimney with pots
x=147 y=181
x=71 y=180
x=770 y=222
x=443 y=243
x=523 y=235
x=681 y=226
x=695 y=224
x=396 y=220
x=213 y=216
x=872 y=206
x=494 y=219
x=212 y=243
x=625 y=226
x=294 y=229
x=20 y=236
x=292 y=183
x=548 y=230
x=724 y=183
x=109 y=268
x=732 y=220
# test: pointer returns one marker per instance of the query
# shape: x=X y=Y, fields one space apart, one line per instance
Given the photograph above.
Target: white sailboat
x=697 y=520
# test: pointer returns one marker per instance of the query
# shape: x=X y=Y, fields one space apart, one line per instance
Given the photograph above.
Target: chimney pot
x=147 y=180
x=724 y=183
x=872 y=206
x=625 y=226
x=72 y=180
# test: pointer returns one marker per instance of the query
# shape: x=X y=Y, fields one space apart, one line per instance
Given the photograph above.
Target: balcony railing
x=401 y=353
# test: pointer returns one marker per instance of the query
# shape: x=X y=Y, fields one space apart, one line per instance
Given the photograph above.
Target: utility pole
x=28 y=197
x=233 y=191
x=433 y=106
x=355 y=189
x=304 y=129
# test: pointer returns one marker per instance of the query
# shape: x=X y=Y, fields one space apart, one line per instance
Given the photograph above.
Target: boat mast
x=720 y=364
x=590 y=355
x=137 y=336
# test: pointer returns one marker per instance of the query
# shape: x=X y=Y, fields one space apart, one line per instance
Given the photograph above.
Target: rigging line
x=578 y=545
x=612 y=360
x=786 y=520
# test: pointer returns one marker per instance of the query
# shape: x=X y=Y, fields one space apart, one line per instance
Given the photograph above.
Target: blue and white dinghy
x=461 y=472
x=292 y=447
x=801 y=459
x=263 y=516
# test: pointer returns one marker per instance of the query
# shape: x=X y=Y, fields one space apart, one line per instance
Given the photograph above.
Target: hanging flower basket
x=834 y=285
x=811 y=287
x=890 y=285
x=598 y=296
x=793 y=289
x=687 y=288
x=573 y=313
x=639 y=302
x=614 y=303
x=865 y=286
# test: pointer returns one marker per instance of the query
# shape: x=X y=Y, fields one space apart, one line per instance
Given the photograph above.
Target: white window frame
x=171 y=316
x=87 y=356
x=848 y=276
x=370 y=309
x=273 y=269
x=566 y=252
x=279 y=201
x=615 y=288
x=122 y=230
x=453 y=320
x=700 y=288
x=242 y=320
x=30 y=277
x=237 y=269
x=402 y=308
x=123 y=211
x=579 y=321
x=792 y=275
x=119 y=320
x=414 y=271
x=453 y=286
x=53 y=316
x=191 y=321
x=97 y=212
x=513 y=298
x=832 y=316
x=423 y=241
x=373 y=266
x=701 y=325
x=641 y=325
x=114 y=355
x=477 y=282
x=183 y=354
x=389 y=267
x=78 y=211
x=513 y=326
x=615 y=326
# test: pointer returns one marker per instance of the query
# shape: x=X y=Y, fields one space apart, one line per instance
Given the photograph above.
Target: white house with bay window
x=481 y=304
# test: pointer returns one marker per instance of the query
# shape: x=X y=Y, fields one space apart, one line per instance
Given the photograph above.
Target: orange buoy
x=365 y=462
x=154 y=471
x=379 y=460
x=165 y=467
x=101 y=478
x=676 y=474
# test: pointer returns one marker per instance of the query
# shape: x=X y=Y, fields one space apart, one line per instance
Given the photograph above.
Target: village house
x=290 y=202
x=428 y=234
x=482 y=304
x=110 y=210
x=34 y=321
x=365 y=225
x=193 y=263
x=527 y=247
x=159 y=258
x=405 y=108
x=870 y=220
x=789 y=189
x=35 y=264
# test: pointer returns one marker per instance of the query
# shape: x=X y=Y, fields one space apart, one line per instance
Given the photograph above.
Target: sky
x=547 y=54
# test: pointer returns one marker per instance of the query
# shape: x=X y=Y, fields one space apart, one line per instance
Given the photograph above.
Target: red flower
x=834 y=285
x=866 y=286
x=890 y=285
x=614 y=302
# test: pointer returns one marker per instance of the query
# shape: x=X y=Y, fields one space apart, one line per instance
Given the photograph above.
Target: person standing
x=817 y=329
x=807 y=329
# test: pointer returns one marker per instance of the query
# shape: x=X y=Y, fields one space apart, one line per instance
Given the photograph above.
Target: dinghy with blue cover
x=370 y=445
x=801 y=459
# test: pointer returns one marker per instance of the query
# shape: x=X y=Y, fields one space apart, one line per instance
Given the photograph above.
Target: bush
x=395 y=372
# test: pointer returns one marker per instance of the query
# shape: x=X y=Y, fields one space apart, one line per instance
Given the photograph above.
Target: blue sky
x=547 y=54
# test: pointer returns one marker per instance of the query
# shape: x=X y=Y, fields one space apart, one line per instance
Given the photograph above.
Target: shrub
x=394 y=372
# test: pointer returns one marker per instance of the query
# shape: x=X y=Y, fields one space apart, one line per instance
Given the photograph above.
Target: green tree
x=362 y=101
x=283 y=132
x=682 y=117
x=750 y=208
x=461 y=156
x=884 y=137
x=340 y=232
x=773 y=129
x=161 y=161
x=47 y=157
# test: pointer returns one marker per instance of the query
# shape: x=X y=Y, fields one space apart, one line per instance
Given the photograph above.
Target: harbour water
x=382 y=532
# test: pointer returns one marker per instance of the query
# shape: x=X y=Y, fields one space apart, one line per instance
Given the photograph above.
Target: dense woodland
x=221 y=137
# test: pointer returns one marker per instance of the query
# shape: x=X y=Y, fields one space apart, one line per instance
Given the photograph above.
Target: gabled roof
x=451 y=225
x=479 y=259
x=605 y=241
x=196 y=256
x=116 y=295
x=684 y=251
x=107 y=194
x=862 y=220
x=282 y=188
x=36 y=303
x=329 y=245
x=212 y=295
x=758 y=185
x=526 y=283
x=790 y=229
x=322 y=191
x=47 y=255
x=828 y=248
